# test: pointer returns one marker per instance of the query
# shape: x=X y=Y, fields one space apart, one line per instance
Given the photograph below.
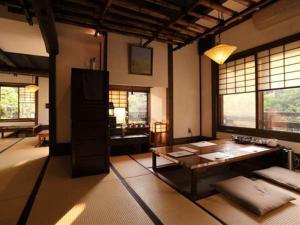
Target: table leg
x=194 y=183
x=154 y=161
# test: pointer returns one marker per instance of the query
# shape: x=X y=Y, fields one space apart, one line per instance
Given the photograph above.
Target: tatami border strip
x=27 y=209
x=180 y=192
x=137 y=198
x=8 y=147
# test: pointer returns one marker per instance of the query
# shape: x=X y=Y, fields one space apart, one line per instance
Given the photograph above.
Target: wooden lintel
x=5 y=59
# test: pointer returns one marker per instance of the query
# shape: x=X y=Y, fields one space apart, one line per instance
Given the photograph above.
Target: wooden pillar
x=52 y=104
x=170 y=91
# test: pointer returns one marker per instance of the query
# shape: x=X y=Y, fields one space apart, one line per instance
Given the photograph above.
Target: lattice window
x=118 y=98
x=279 y=67
x=237 y=76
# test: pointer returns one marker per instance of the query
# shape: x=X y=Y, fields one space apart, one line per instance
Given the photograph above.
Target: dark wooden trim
x=14 y=84
x=214 y=90
x=200 y=93
x=52 y=104
x=5 y=59
x=170 y=99
x=278 y=42
x=130 y=55
x=36 y=102
x=17 y=120
x=129 y=88
x=105 y=50
x=24 y=71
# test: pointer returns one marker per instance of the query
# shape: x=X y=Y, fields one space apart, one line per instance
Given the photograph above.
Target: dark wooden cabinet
x=89 y=115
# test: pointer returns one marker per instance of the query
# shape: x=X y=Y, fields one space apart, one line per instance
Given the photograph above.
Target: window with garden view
x=130 y=107
x=16 y=103
x=262 y=90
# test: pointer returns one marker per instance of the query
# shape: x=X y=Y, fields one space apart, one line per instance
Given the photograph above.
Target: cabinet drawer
x=89 y=148
x=89 y=165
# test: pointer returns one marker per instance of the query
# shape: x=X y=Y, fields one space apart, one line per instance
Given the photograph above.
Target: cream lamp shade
x=220 y=53
x=31 y=88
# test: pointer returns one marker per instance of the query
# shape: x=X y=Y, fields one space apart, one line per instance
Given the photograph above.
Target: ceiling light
x=97 y=33
x=220 y=52
x=31 y=88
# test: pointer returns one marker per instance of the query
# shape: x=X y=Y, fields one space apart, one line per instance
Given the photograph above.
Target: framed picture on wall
x=140 y=60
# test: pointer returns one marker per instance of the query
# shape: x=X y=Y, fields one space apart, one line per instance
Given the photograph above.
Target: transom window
x=262 y=91
x=16 y=103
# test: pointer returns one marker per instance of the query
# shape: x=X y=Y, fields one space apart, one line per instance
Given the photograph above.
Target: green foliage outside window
x=16 y=103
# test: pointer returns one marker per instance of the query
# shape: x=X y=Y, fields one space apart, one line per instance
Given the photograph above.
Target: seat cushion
x=258 y=198
x=281 y=176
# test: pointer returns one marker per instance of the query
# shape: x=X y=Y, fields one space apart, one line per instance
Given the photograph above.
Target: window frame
x=21 y=85
x=134 y=89
x=217 y=117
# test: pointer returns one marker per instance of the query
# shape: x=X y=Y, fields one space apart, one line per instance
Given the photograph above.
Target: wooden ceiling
x=178 y=22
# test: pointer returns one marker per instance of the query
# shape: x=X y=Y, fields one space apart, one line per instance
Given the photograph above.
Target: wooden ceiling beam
x=5 y=59
x=205 y=17
x=24 y=71
x=218 y=7
x=26 y=12
x=109 y=27
x=88 y=16
x=114 y=14
x=106 y=7
x=197 y=27
x=44 y=13
x=165 y=4
x=239 y=17
x=184 y=31
x=137 y=8
x=176 y=18
x=245 y=2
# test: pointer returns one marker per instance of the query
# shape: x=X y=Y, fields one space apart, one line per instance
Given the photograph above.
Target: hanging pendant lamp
x=31 y=87
x=221 y=52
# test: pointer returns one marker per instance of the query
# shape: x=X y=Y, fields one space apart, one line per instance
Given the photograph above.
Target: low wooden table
x=4 y=129
x=196 y=164
x=42 y=136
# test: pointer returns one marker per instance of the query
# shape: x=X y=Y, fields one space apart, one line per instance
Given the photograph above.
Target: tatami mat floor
x=104 y=199
x=89 y=200
x=6 y=143
x=20 y=166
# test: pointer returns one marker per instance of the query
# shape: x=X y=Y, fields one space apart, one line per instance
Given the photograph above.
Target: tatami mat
x=231 y=213
x=20 y=166
x=7 y=142
x=167 y=204
x=89 y=200
x=146 y=160
x=127 y=167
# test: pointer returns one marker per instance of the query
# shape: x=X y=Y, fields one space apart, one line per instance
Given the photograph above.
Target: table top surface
x=200 y=160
